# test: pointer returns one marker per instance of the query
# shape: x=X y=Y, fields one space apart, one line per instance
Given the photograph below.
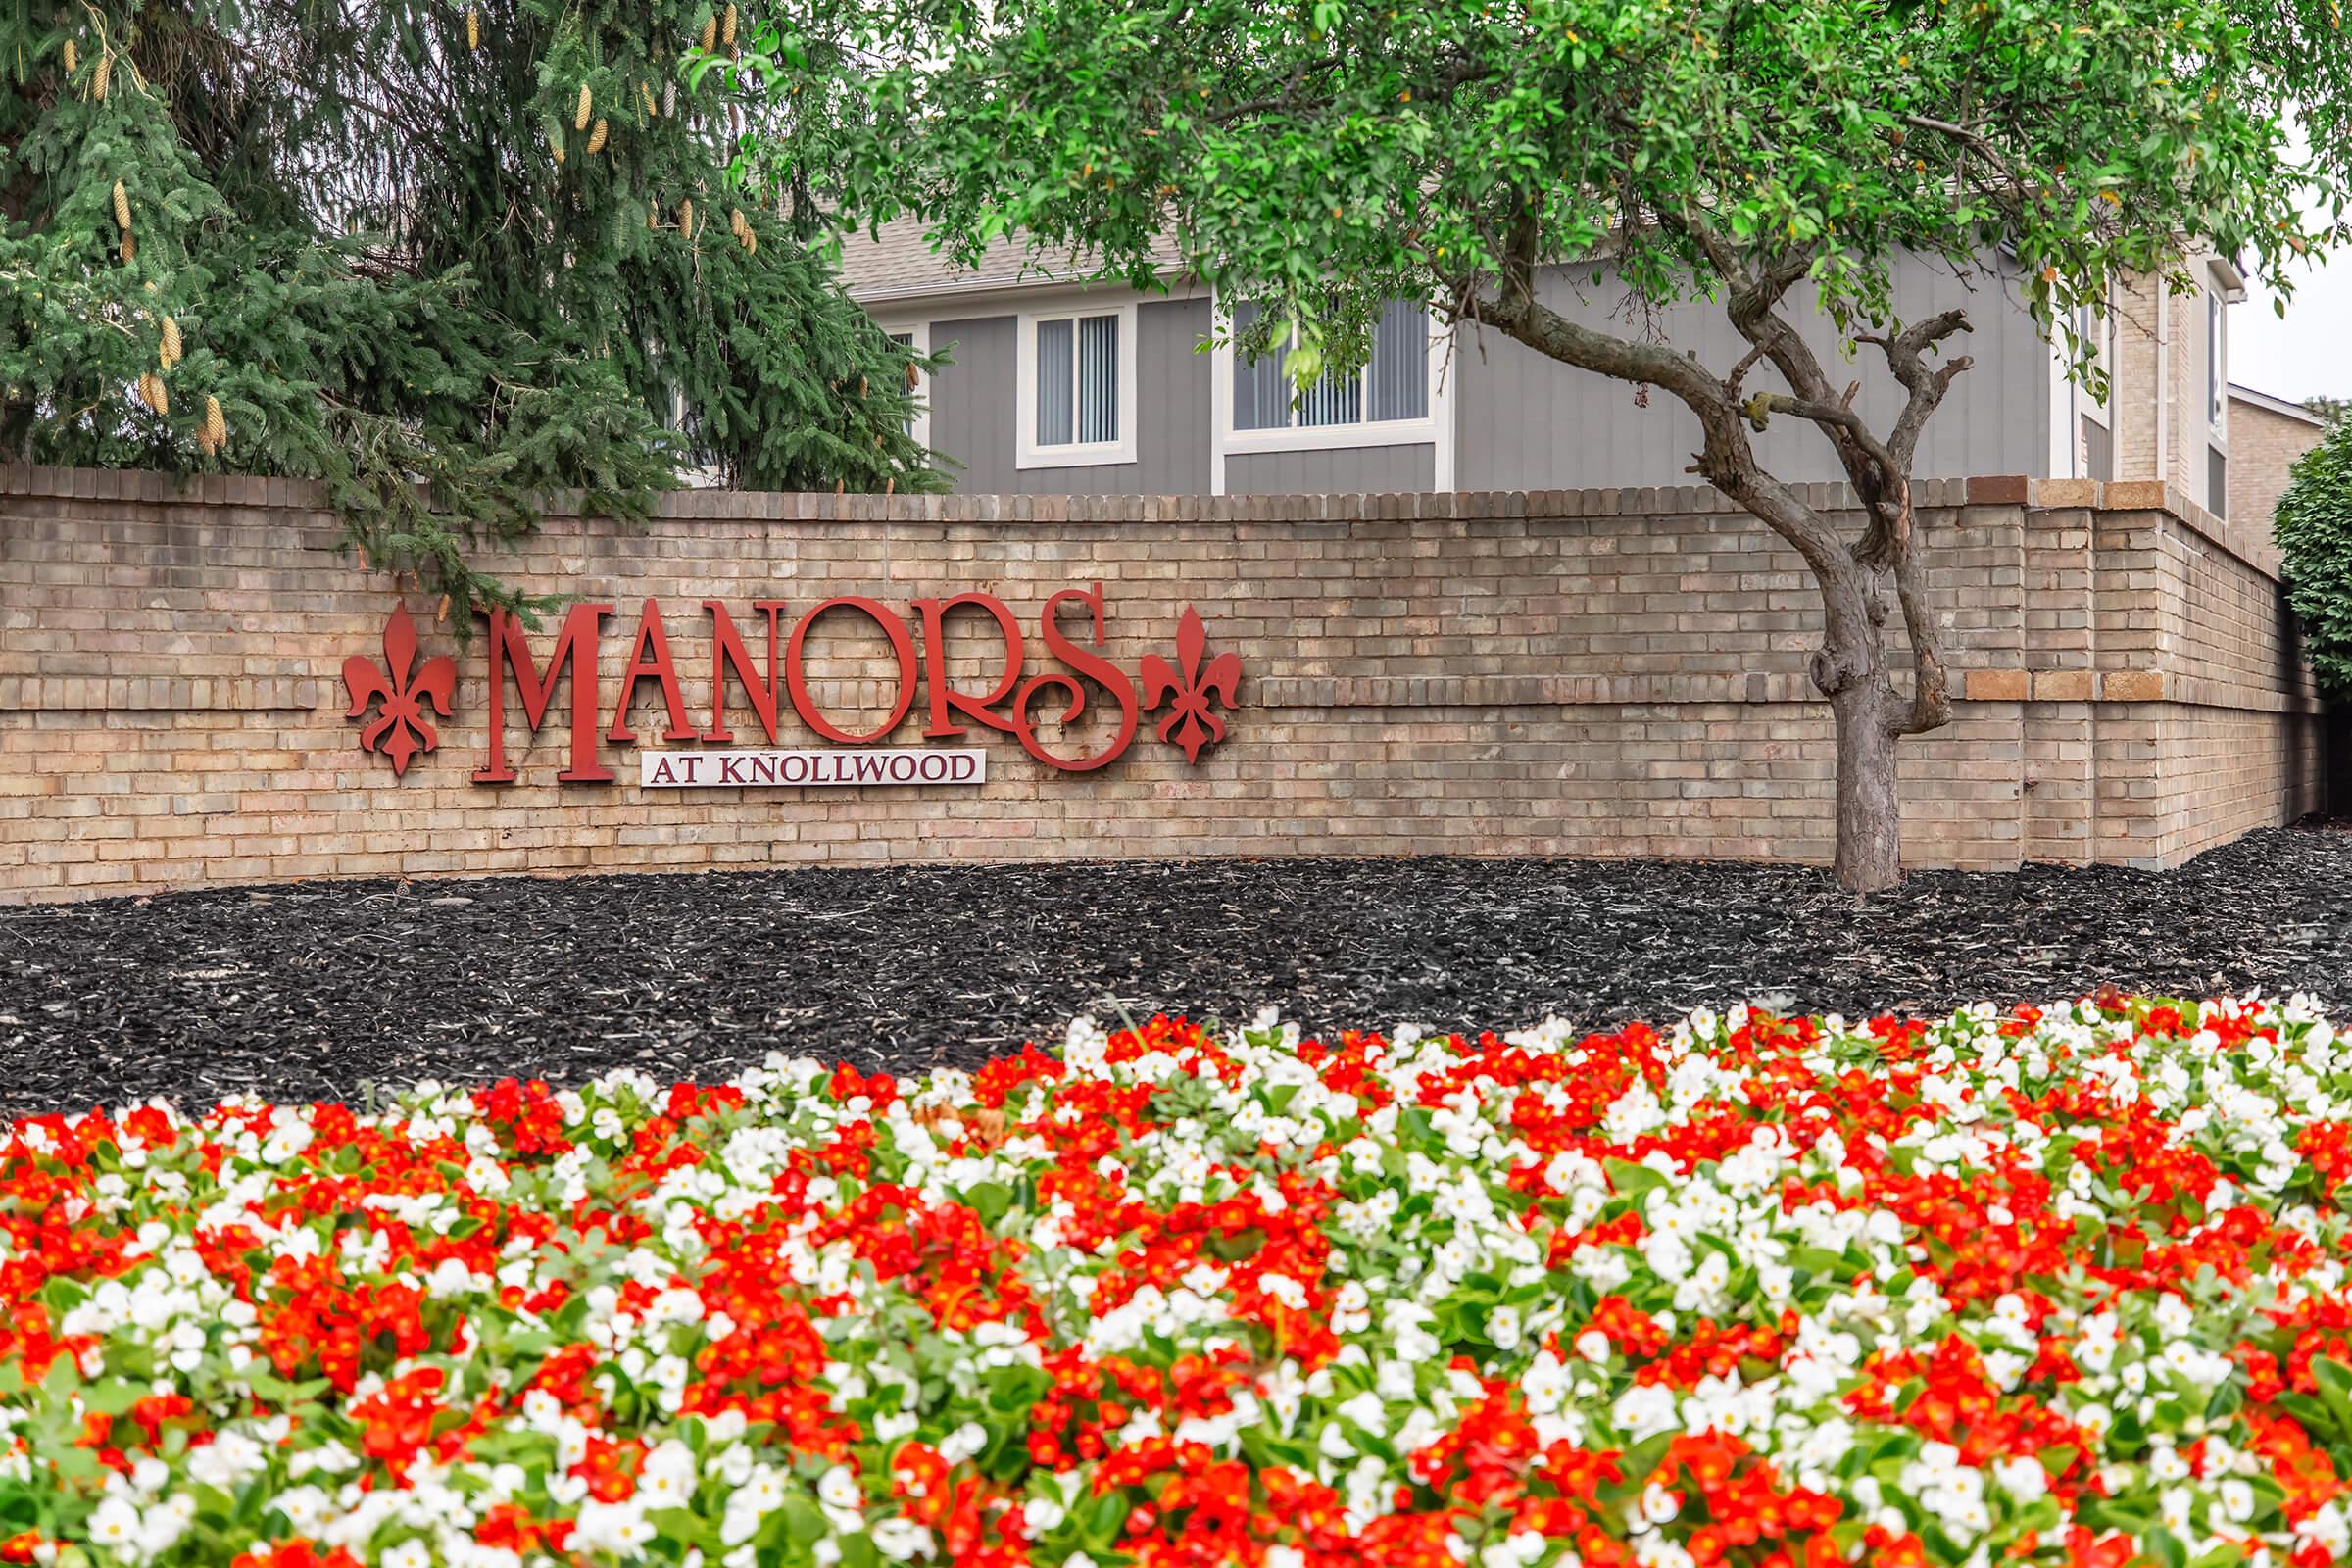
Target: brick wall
x=2264 y=445
x=1578 y=673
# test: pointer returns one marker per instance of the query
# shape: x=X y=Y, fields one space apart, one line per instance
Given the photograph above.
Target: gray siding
x=1524 y=422
x=972 y=408
x=1521 y=421
x=1371 y=471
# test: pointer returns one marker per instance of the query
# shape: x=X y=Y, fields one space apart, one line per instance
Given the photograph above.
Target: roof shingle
x=900 y=264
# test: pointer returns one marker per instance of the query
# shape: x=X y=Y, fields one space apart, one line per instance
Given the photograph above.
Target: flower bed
x=2052 y=1286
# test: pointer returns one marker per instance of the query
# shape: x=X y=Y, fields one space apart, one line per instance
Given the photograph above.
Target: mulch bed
x=323 y=990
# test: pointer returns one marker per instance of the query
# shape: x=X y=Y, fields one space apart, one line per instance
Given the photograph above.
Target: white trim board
x=1027 y=453
x=1435 y=430
x=920 y=333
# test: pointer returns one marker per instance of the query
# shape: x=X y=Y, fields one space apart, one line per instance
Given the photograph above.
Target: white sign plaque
x=818 y=766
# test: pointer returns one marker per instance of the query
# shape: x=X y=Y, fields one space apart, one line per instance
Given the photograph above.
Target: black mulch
x=320 y=990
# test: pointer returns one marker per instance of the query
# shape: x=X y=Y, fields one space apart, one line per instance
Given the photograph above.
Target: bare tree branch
x=1727 y=460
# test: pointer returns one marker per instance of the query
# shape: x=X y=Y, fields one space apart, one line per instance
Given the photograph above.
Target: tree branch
x=1728 y=462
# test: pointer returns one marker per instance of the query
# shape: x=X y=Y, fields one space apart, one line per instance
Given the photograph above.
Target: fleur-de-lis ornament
x=401 y=728
x=1195 y=690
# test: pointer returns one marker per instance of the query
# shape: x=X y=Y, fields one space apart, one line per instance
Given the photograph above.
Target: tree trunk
x=1870 y=823
x=1850 y=668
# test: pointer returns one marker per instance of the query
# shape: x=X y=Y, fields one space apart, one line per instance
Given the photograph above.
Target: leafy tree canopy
x=2314 y=529
x=444 y=257
x=1320 y=155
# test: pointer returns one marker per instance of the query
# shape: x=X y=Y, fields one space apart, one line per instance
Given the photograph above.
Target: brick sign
x=400 y=701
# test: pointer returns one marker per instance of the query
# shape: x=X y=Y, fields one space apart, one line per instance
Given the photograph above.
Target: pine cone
x=686 y=218
x=580 y=116
x=129 y=250
x=653 y=215
x=122 y=208
x=669 y=98
x=554 y=140
x=148 y=391
x=726 y=28
x=710 y=36
x=473 y=29
x=216 y=427
x=442 y=613
x=172 y=344
x=645 y=94
x=595 y=138
x=100 y=75
x=70 y=59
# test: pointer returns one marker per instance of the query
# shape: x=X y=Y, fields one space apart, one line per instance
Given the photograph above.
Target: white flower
x=2023 y=1479
x=1647 y=1410
x=1544 y=1383
x=838 y=1489
x=902 y=1539
x=115 y=1525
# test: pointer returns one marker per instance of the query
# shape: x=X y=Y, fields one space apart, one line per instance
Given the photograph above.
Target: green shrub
x=2314 y=529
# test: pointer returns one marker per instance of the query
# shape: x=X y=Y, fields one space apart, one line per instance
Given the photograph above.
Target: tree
x=444 y=257
x=1312 y=158
x=2314 y=529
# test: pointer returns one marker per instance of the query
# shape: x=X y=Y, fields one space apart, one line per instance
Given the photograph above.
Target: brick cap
x=1338 y=506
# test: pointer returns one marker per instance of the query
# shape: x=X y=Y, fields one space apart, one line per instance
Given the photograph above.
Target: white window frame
x=1435 y=428
x=2217 y=363
x=1028 y=453
x=920 y=333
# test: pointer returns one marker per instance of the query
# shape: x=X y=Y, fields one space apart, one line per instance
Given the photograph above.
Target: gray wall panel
x=1526 y=423
x=972 y=408
x=1373 y=470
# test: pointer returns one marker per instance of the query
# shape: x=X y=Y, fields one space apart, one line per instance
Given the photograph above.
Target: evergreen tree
x=444 y=258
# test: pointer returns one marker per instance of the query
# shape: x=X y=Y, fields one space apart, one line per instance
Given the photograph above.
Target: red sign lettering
x=796 y=679
x=1193 y=690
x=575 y=643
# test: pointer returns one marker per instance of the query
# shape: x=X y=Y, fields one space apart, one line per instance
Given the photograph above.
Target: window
x=1077 y=388
x=2217 y=361
x=2098 y=451
x=1392 y=388
x=919 y=338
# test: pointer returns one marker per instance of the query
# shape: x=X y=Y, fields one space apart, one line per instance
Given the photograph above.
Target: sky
x=2310 y=352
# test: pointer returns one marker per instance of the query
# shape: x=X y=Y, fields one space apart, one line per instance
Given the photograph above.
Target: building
x=2267 y=434
x=1059 y=387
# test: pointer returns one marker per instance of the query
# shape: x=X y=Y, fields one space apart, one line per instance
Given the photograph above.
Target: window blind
x=1400 y=363
x=1055 y=394
x=1098 y=378
x=1262 y=400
